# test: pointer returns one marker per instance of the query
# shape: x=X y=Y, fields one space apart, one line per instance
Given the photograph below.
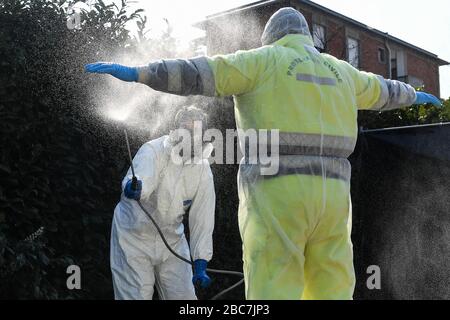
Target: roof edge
x=257 y=4
x=385 y=35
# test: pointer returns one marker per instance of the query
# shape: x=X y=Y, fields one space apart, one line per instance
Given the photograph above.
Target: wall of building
x=424 y=69
x=336 y=39
x=369 y=55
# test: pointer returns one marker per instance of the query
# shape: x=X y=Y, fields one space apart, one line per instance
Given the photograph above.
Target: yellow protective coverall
x=295 y=225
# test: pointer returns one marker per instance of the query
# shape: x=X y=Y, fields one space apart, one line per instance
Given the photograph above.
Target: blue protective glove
x=425 y=98
x=133 y=194
x=123 y=73
x=200 y=275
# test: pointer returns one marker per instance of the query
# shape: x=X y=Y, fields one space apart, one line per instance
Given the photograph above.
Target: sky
x=424 y=24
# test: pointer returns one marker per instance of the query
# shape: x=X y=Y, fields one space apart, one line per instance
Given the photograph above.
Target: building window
x=415 y=82
x=399 y=67
x=319 y=37
x=394 y=69
x=381 y=55
x=353 y=51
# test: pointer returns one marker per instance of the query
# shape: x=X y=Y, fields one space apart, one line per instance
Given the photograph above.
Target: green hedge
x=56 y=173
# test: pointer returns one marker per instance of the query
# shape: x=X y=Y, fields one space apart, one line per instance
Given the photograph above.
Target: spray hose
x=163 y=238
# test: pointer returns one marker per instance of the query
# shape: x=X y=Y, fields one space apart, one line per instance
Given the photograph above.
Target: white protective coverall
x=139 y=258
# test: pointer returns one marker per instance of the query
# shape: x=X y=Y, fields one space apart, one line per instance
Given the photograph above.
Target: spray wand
x=134 y=183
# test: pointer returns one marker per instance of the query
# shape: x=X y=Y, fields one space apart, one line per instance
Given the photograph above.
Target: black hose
x=228 y=289
x=163 y=238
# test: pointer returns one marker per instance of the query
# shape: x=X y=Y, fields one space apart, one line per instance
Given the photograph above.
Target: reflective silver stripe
x=174 y=78
x=330 y=168
x=400 y=95
x=316 y=144
x=207 y=76
x=143 y=75
x=304 y=144
x=317 y=80
x=333 y=168
x=384 y=95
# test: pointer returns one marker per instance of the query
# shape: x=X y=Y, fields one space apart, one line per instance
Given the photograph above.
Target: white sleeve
x=145 y=168
x=394 y=95
x=201 y=216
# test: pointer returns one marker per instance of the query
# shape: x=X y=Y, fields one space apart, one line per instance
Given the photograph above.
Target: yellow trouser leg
x=279 y=220
x=274 y=220
x=329 y=273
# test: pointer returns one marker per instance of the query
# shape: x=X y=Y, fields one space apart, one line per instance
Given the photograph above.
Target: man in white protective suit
x=168 y=186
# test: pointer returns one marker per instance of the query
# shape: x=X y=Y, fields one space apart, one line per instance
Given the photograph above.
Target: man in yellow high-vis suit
x=295 y=226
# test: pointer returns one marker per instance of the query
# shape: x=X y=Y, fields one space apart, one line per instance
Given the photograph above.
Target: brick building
x=364 y=47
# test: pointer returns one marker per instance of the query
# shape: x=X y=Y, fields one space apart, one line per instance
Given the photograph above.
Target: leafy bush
x=56 y=174
x=415 y=115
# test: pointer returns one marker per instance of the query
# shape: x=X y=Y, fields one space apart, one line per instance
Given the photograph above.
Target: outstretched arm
x=396 y=94
x=373 y=92
x=222 y=75
x=181 y=76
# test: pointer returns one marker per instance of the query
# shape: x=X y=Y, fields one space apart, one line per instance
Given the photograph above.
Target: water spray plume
x=118 y=115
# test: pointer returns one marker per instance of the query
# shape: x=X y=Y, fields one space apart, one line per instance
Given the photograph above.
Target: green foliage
x=60 y=164
x=57 y=177
x=414 y=115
